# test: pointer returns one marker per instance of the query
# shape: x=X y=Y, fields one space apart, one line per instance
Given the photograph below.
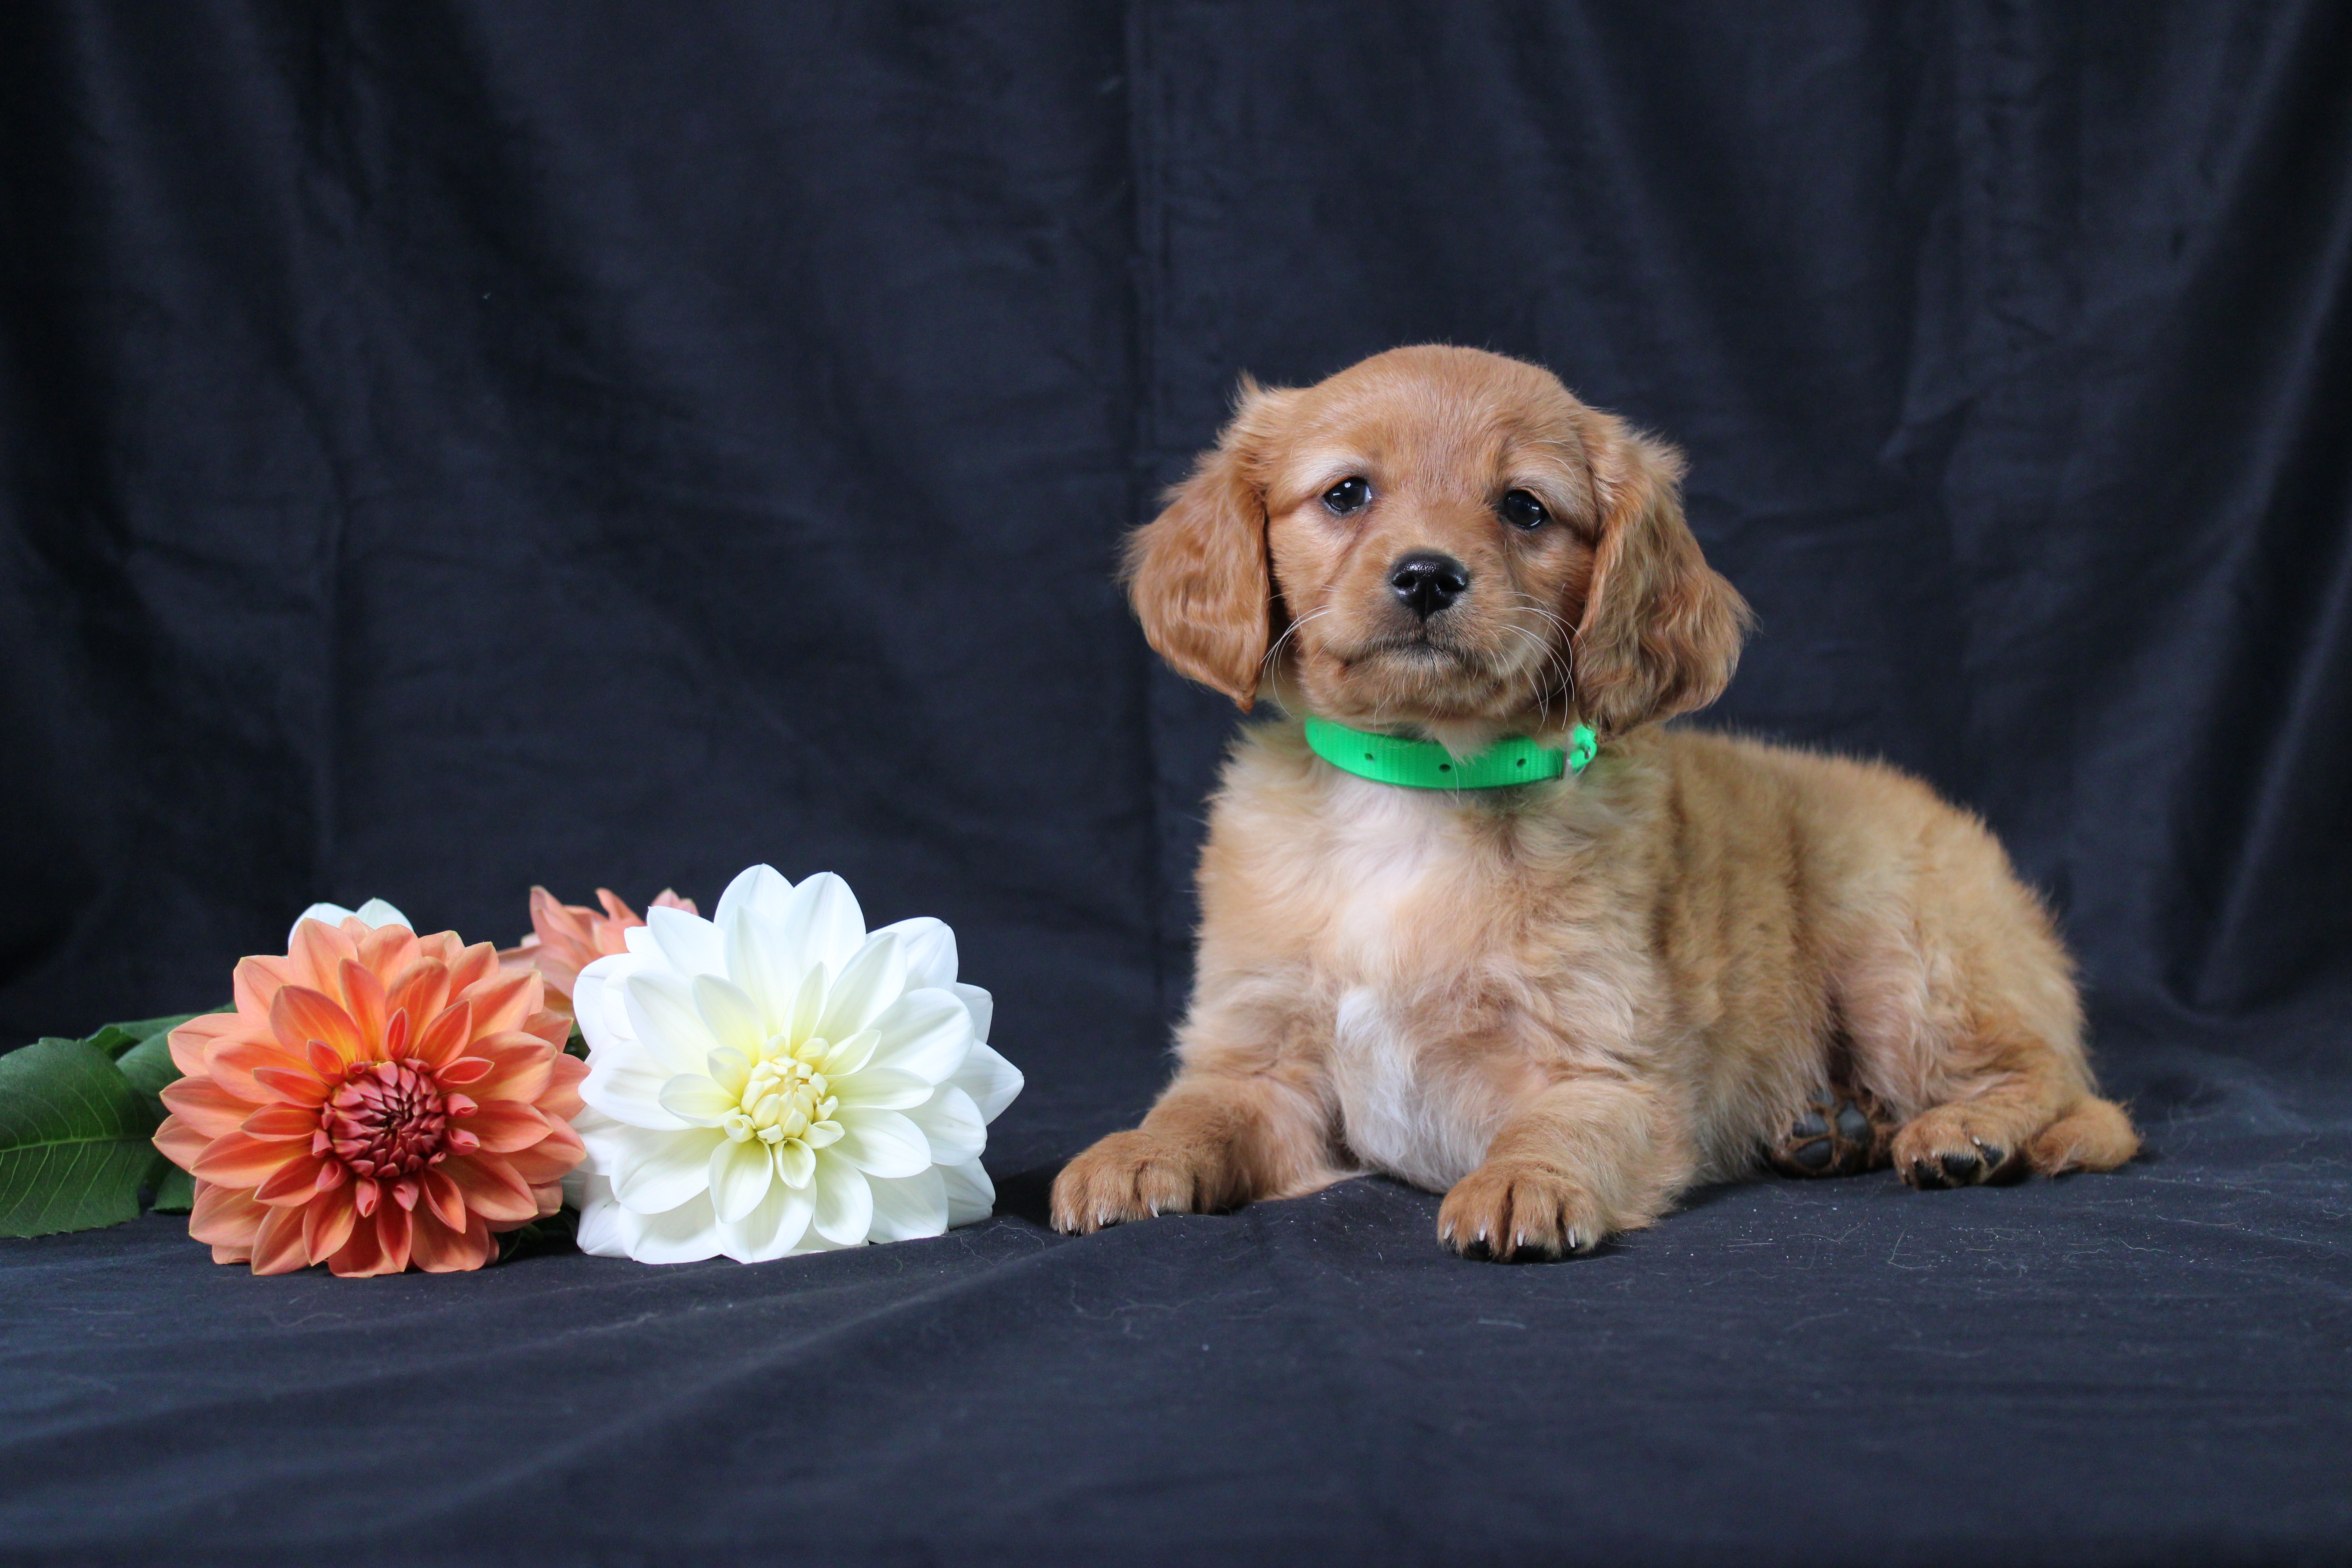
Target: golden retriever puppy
x=1561 y=1003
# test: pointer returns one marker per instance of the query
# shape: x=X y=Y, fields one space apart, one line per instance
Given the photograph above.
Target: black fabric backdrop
x=453 y=447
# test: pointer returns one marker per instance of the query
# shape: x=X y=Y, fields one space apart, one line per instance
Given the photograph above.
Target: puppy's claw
x=1940 y=1149
x=1131 y=1175
x=1509 y=1211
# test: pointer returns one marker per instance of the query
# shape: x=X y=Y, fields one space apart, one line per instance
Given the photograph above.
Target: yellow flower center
x=786 y=1101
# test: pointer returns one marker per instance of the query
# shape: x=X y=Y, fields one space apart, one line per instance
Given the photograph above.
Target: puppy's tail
x=2095 y=1135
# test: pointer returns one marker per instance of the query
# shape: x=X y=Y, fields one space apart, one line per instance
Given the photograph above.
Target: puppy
x=1561 y=1003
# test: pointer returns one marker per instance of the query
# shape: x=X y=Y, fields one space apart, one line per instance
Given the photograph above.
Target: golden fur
x=1563 y=1004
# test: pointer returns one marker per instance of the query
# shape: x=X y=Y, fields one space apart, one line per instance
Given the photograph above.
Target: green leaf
x=116 y=1038
x=149 y=1065
x=74 y=1140
x=175 y=1190
x=553 y=1233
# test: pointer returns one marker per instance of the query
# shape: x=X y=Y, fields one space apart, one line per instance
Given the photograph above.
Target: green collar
x=1426 y=764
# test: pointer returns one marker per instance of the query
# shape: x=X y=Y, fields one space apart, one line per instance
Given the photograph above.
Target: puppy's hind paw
x=1841 y=1132
x=1950 y=1147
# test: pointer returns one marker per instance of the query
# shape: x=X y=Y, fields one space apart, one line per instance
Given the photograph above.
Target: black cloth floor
x=452 y=447
x=2144 y=1368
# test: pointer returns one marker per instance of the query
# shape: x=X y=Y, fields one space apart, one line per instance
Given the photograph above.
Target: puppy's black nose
x=1425 y=582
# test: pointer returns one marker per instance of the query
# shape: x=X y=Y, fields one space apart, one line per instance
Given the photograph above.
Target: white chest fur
x=1407 y=1105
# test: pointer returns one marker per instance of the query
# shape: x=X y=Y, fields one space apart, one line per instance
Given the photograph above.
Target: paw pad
x=1841 y=1133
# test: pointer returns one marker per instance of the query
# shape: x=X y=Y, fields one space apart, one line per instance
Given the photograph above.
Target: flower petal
x=774 y=1229
x=443 y=1197
x=188 y=1041
x=844 y=1202
x=758 y=965
x=363 y=998
x=226 y=1216
x=502 y=999
x=279 y=1123
x=443 y=1038
x=551 y=1158
x=316 y=951
x=325 y=914
x=277 y=1245
x=687 y=1234
x=807 y=1004
x=421 y=989
x=470 y=966
x=761 y=887
x=596 y=1003
x=506 y=1125
x=254 y=983
x=693 y=1098
x=653 y=1173
x=327 y=1222
x=740 y=1175
x=234 y=1062
x=237 y=1161
x=668 y=1024
x=952 y=1125
x=491 y=1187
x=376 y=913
x=690 y=942
x=930 y=949
x=822 y=922
x=970 y=1195
x=882 y=1088
x=851 y=1055
x=927 y=1033
x=871 y=982
x=561 y=1095
x=395 y=1230
x=795 y=1164
x=880 y=1142
x=359 y=1257
x=988 y=1079
x=520 y=1065
x=980 y=1004
x=180 y=1143
x=732 y=1016
x=294 y=1086
x=626 y=1086
x=730 y=1068
x=205 y=1106
x=296 y=1182
x=438 y=1248
x=905 y=1207
x=387 y=950
x=300 y=1014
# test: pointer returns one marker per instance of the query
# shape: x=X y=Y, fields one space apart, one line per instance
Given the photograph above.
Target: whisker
x=1288 y=632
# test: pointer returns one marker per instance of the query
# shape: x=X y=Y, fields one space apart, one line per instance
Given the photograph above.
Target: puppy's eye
x=1348 y=495
x=1521 y=509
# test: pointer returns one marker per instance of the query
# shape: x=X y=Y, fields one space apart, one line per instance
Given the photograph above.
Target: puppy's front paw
x=1507 y=1210
x=1959 y=1146
x=1134 y=1175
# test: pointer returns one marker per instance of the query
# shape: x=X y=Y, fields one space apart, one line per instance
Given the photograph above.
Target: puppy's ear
x=1198 y=574
x=1661 y=630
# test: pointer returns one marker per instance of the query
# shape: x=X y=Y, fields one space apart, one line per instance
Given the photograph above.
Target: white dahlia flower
x=775 y=1080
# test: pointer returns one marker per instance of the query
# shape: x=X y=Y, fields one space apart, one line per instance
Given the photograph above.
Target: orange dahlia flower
x=378 y=1098
x=567 y=938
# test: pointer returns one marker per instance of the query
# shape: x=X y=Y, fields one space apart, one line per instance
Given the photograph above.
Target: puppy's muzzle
x=1425 y=582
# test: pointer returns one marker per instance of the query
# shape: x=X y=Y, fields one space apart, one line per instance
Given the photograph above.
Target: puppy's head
x=1438 y=539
